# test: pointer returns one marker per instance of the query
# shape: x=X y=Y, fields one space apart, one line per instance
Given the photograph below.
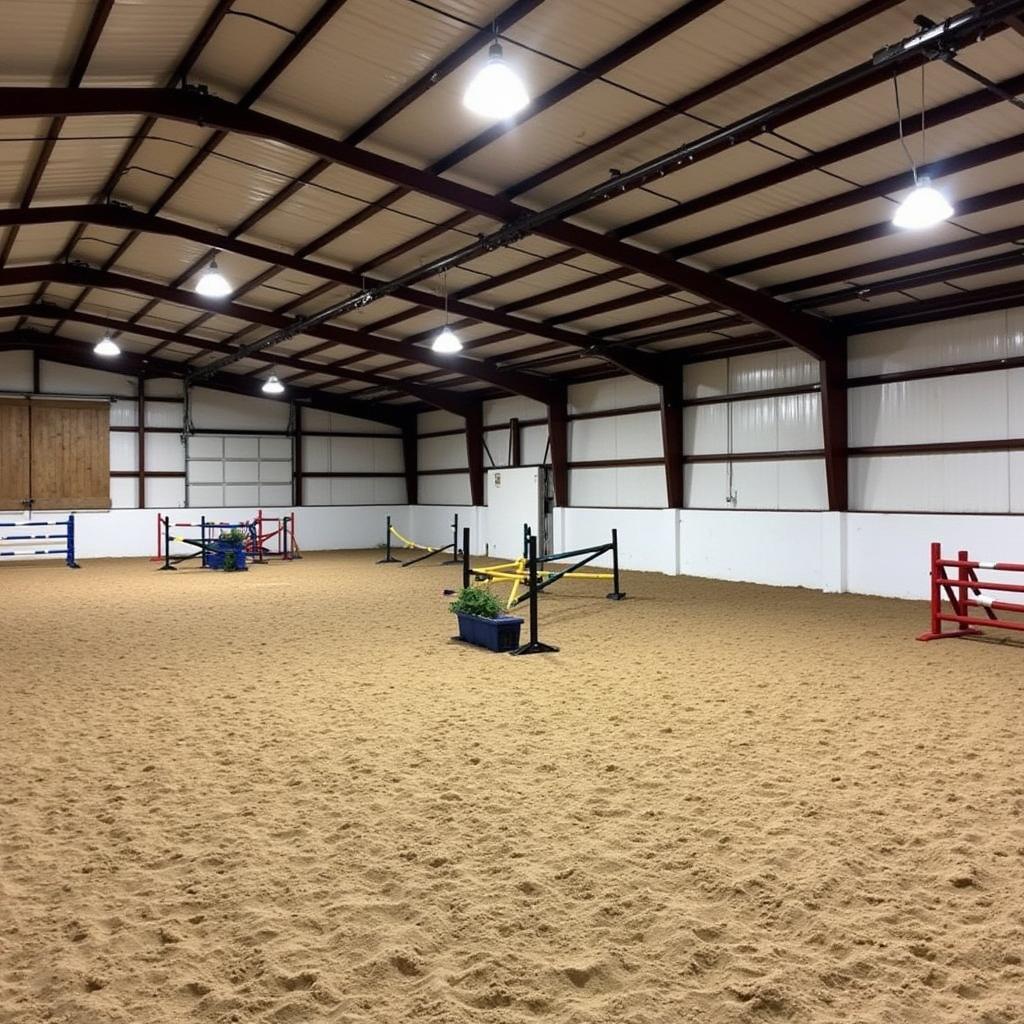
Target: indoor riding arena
x=485 y=487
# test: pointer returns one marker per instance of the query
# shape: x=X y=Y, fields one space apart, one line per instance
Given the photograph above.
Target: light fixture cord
x=924 y=150
x=444 y=278
x=899 y=121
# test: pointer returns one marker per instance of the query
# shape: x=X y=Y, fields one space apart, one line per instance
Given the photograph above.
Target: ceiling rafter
x=669 y=24
x=292 y=50
x=680 y=106
x=539 y=388
x=960 y=107
x=97 y=22
x=509 y=17
x=677 y=107
x=442 y=399
x=803 y=331
x=56 y=348
x=118 y=216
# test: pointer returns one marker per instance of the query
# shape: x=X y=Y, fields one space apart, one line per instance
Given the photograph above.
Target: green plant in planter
x=230 y=539
x=476 y=601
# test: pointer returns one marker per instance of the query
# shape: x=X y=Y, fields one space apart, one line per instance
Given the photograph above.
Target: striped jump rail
x=26 y=535
x=965 y=593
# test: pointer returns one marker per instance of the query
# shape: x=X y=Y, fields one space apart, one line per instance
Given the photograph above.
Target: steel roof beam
x=678 y=107
x=509 y=17
x=802 y=331
x=92 y=37
x=118 y=216
x=529 y=386
x=436 y=397
x=299 y=41
x=55 y=348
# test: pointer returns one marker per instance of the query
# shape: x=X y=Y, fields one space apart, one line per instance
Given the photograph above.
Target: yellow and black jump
x=520 y=572
x=411 y=545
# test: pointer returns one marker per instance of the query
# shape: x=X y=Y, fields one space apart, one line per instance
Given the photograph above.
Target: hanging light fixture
x=446 y=341
x=212 y=283
x=272 y=386
x=496 y=91
x=107 y=347
x=925 y=206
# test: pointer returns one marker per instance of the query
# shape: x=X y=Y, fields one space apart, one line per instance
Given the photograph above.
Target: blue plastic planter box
x=215 y=556
x=500 y=634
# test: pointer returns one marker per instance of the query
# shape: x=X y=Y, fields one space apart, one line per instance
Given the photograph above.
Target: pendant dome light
x=107 y=347
x=446 y=341
x=273 y=386
x=496 y=91
x=925 y=206
x=212 y=283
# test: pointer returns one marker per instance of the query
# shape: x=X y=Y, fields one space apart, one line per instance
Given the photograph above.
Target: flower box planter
x=215 y=555
x=500 y=634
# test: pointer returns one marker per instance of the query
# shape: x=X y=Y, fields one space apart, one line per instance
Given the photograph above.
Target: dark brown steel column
x=672 y=437
x=835 y=429
x=558 y=442
x=475 y=453
x=410 y=453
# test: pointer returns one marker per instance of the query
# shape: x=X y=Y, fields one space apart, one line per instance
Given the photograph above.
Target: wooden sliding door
x=15 y=481
x=55 y=453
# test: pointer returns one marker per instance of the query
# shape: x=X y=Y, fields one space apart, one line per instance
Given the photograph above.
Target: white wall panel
x=15 y=371
x=1016 y=481
x=163 y=387
x=165 y=492
x=204 y=446
x=706 y=429
x=761 y=371
x=388 y=490
x=950 y=482
x=616 y=393
x=501 y=410
x=442 y=452
x=706 y=380
x=124 y=492
x=706 y=485
x=207 y=472
x=124 y=454
x=275 y=473
x=351 y=455
x=271 y=494
x=164 y=454
x=388 y=456
x=352 y=491
x=965 y=408
x=233 y=494
x=799 y=422
x=219 y=410
x=317 y=491
x=802 y=484
x=533 y=446
x=448 y=489
x=755 y=426
x=618 y=487
x=241 y=447
x=496 y=448
x=438 y=419
x=124 y=414
x=960 y=340
x=275 y=448
x=56 y=377
x=316 y=455
x=636 y=436
x=164 y=414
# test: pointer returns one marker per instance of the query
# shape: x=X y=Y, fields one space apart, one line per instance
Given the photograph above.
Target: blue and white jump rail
x=25 y=534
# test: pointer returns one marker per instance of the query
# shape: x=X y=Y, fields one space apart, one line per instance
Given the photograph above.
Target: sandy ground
x=284 y=796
